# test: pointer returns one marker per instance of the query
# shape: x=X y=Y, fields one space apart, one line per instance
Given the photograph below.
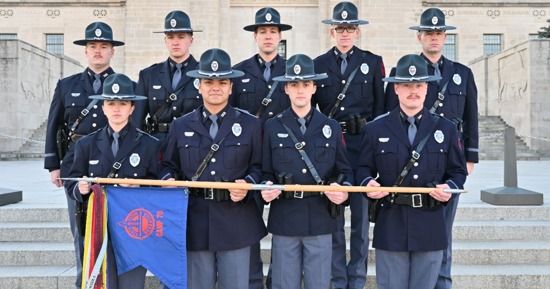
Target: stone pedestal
x=10 y=196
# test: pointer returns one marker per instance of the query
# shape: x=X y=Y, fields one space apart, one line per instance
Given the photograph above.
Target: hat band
x=431 y=27
x=120 y=97
x=345 y=21
x=411 y=78
x=178 y=29
x=300 y=77
x=99 y=39
x=214 y=74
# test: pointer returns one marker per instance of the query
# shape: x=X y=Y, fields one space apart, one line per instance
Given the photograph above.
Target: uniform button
x=342 y=108
x=244 y=89
x=280 y=145
x=94 y=115
x=441 y=150
x=416 y=164
x=154 y=98
x=213 y=160
x=304 y=171
x=95 y=106
x=186 y=145
x=415 y=177
x=343 y=81
x=213 y=172
x=441 y=104
x=94 y=125
x=197 y=96
x=382 y=151
x=176 y=117
x=72 y=104
x=238 y=143
x=174 y=108
x=326 y=145
x=135 y=174
x=270 y=113
x=442 y=114
x=322 y=85
x=116 y=175
x=269 y=86
x=91 y=174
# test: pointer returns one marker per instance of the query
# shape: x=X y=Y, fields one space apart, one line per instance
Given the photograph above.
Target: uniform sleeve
x=170 y=164
x=255 y=167
x=267 y=164
x=470 y=124
x=455 y=169
x=366 y=166
x=392 y=101
x=142 y=107
x=154 y=163
x=78 y=170
x=378 y=90
x=342 y=165
x=52 y=159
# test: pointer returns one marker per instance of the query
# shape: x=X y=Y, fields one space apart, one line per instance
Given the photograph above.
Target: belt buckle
x=416 y=200
x=298 y=194
x=299 y=145
x=266 y=101
x=208 y=194
x=341 y=96
x=85 y=112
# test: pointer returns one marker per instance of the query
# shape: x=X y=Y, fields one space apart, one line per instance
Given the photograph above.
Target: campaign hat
x=98 y=31
x=432 y=19
x=300 y=67
x=267 y=17
x=411 y=68
x=118 y=86
x=215 y=64
x=177 y=21
x=345 y=13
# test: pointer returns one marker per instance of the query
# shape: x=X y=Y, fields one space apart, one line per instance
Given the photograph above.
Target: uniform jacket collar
x=426 y=126
x=166 y=79
x=231 y=118
x=251 y=66
x=317 y=120
x=130 y=142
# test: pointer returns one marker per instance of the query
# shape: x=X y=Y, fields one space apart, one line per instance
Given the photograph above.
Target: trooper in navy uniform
x=353 y=94
x=119 y=142
x=170 y=93
x=301 y=222
x=453 y=97
x=410 y=233
x=256 y=91
x=214 y=143
x=72 y=115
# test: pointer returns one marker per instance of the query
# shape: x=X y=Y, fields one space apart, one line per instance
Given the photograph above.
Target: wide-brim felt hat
x=267 y=17
x=98 y=31
x=345 y=13
x=432 y=19
x=177 y=21
x=118 y=86
x=215 y=64
x=411 y=68
x=300 y=67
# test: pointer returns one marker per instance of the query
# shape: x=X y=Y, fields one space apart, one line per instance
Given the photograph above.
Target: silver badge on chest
x=457 y=79
x=364 y=68
x=134 y=160
x=327 y=131
x=438 y=136
x=237 y=129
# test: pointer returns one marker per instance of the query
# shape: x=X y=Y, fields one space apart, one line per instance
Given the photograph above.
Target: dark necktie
x=437 y=72
x=412 y=129
x=177 y=76
x=214 y=126
x=302 y=122
x=344 y=63
x=97 y=83
x=267 y=70
x=114 y=145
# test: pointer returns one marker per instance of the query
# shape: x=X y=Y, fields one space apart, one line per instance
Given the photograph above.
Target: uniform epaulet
x=435 y=115
x=381 y=116
x=243 y=111
x=144 y=133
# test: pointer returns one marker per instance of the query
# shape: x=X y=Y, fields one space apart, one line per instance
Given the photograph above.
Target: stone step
x=33 y=214
x=35 y=232
x=464 y=277
x=36 y=254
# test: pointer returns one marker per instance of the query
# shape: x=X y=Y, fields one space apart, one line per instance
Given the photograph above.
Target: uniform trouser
x=307 y=256
x=78 y=240
x=354 y=275
x=230 y=268
x=133 y=279
x=444 y=281
x=256 y=280
x=407 y=270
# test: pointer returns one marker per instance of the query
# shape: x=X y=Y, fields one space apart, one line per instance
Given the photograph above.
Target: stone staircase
x=491 y=141
x=494 y=247
x=33 y=148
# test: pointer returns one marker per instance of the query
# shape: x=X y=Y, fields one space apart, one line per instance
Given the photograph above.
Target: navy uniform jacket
x=212 y=225
x=250 y=89
x=324 y=146
x=460 y=102
x=94 y=158
x=155 y=82
x=385 y=152
x=69 y=99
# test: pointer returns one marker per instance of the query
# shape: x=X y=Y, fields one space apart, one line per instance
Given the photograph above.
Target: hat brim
x=178 y=31
x=83 y=42
x=284 y=78
x=345 y=22
x=217 y=75
x=117 y=97
x=430 y=28
x=282 y=27
x=397 y=79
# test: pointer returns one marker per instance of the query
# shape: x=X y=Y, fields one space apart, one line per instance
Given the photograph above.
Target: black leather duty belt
x=353 y=125
x=217 y=195
x=299 y=194
x=163 y=127
x=413 y=200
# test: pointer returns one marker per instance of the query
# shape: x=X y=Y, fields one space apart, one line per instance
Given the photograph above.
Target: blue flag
x=147 y=228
